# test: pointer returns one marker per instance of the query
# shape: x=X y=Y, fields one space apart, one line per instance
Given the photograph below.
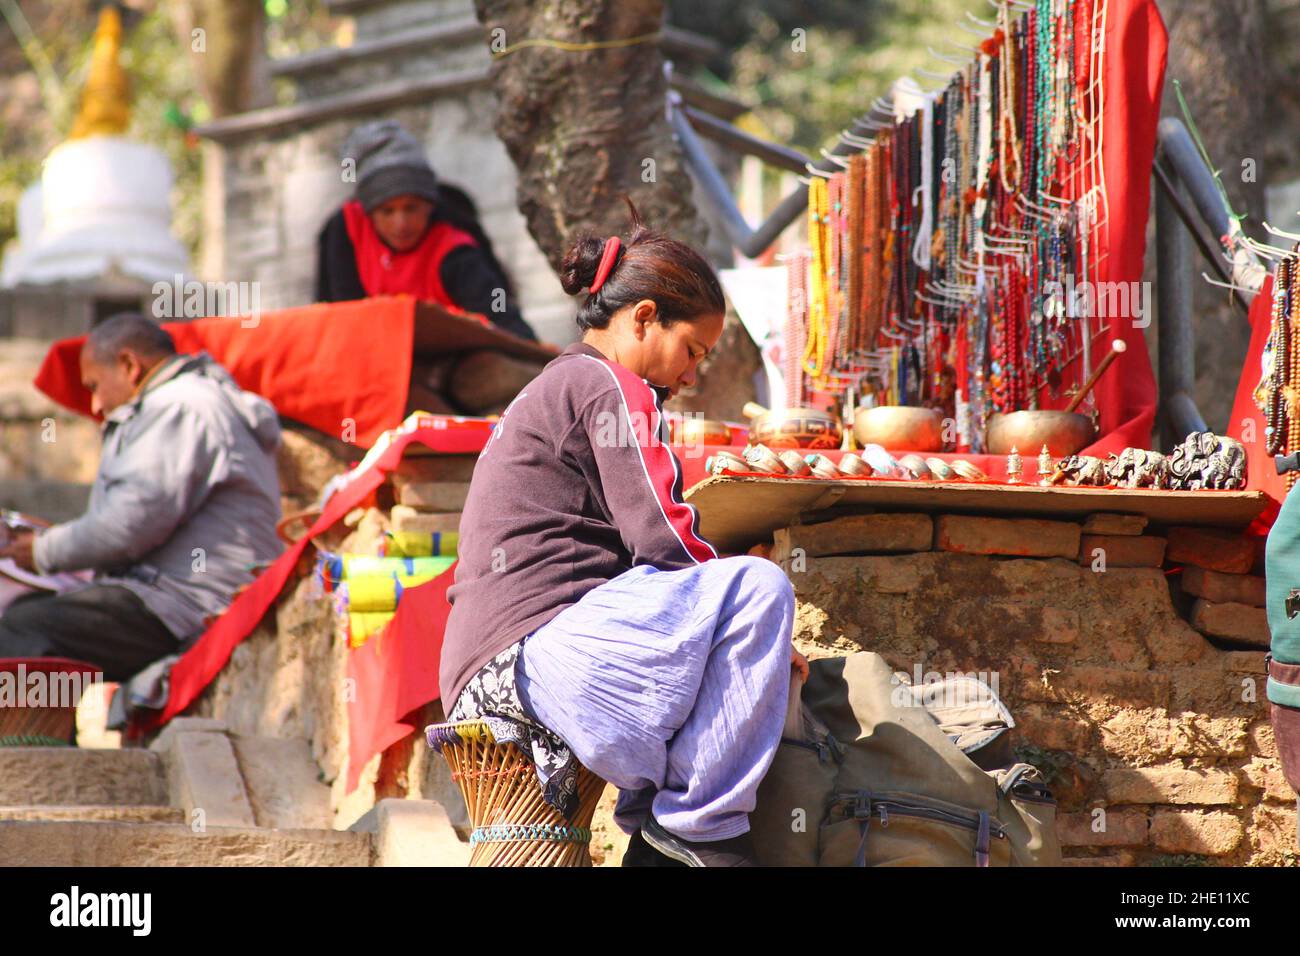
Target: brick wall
x=1154 y=735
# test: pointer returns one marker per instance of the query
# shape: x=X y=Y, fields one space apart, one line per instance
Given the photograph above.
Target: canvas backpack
x=865 y=775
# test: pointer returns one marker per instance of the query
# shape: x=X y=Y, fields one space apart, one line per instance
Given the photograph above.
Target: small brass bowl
x=902 y=427
x=700 y=431
x=796 y=428
x=1064 y=433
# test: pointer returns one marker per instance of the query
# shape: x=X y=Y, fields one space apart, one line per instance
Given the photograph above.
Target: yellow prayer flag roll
x=420 y=544
x=379 y=593
x=366 y=624
x=368 y=565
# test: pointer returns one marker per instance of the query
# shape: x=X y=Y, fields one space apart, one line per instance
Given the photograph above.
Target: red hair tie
x=607 y=258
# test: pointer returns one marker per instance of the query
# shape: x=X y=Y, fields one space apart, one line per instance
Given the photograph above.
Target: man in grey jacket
x=183 y=507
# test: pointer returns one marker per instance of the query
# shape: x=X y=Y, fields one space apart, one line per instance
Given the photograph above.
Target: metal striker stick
x=1117 y=347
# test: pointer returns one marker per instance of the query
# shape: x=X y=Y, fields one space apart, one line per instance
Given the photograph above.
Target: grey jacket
x=186 y=499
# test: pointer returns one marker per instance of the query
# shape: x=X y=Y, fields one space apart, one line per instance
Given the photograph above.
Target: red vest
x=417 y=272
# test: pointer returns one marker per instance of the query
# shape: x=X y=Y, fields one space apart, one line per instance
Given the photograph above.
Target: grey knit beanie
x=389 y=162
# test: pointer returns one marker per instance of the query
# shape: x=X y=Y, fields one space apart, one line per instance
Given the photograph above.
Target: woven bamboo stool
x=51 y=725
x=512 y=824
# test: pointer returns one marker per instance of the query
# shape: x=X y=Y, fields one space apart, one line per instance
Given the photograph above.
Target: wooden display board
x=739 y=512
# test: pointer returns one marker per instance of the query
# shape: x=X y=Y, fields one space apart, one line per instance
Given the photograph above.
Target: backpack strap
x=862 y=813
x=982 y=841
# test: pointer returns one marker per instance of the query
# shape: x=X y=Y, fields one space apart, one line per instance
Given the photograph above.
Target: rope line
x=571 y=46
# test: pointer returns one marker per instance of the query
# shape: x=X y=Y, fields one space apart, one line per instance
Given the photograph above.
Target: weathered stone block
x=1022 y=537
x=1212 y=834
x=101 y=844
x=1137 y=688
x=1122 y=551
x=1266 y=774
x=1224 y=588
x=1211 y=548
x=1105 y=523
x=1136 y=735
x=852 y=575
x=1110 y=828
x=1244 y=662
x=283 y=783
x=1236 y=622
x=1175 y=785
x=434 y=495
x=204 y=779
x=1199 y=735
x=413 y=833
x=1261 y=738
x=1174 y=641
x=418 y=469
x=1038 y=622
x=406 y=518
x=68 y=776
x=1053 y=733
x=857 y=534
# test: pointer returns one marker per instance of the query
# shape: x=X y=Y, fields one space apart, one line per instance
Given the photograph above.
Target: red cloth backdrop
x=1247 y=424
x=322 y=365
x=1133 y=76
x=372 y=715
x=395 y=673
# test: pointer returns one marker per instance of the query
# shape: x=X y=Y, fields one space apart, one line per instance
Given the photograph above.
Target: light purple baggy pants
x=672 y=686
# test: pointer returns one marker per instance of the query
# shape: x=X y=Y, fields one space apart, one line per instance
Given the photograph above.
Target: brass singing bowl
x=1064 y=433
x=902 y=427
x=700 y=431
x=796 y=428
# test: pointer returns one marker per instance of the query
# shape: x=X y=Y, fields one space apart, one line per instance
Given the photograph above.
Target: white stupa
x=102 y=207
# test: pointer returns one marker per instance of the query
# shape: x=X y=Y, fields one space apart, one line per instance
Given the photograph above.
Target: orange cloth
x=343 y=368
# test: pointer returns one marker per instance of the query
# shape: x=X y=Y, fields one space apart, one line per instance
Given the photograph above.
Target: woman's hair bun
x=578 y=268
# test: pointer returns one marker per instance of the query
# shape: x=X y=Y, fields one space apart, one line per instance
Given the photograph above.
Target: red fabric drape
x=1133 y=76
x=343 y=368
x=1247 y=424
x=396 y=672
x=196 y=669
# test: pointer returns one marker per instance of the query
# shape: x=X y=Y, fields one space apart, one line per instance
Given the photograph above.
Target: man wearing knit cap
x=405 y=232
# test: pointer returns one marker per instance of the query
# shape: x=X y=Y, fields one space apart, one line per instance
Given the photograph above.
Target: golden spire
x=106 y=99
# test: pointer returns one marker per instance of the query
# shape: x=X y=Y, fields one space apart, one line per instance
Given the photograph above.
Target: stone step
x=68 y=776
x=97 y=843
x=92 y=814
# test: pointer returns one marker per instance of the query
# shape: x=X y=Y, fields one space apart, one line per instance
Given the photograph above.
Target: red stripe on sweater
x=662 y=470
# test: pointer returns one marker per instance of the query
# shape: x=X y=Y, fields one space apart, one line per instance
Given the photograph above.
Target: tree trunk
x=1216 y=51
x=585 y=127
x=227 y=44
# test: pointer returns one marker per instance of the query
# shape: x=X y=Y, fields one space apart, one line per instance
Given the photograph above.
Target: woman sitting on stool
x=587 y=606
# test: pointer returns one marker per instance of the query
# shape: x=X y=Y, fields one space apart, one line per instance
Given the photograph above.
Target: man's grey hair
x=129 y=330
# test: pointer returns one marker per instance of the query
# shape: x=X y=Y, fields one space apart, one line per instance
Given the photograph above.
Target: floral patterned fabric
x=491 y=696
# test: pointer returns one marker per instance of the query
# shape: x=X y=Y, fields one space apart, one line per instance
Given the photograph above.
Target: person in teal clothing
x=1282 y=572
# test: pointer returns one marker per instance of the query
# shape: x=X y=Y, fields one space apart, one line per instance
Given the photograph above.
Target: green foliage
x=1180 y=859
x=808 y=86
x=1050 y=763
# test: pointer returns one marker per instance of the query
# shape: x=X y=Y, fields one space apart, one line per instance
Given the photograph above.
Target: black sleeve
x=476 y=286
x=337 y=279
